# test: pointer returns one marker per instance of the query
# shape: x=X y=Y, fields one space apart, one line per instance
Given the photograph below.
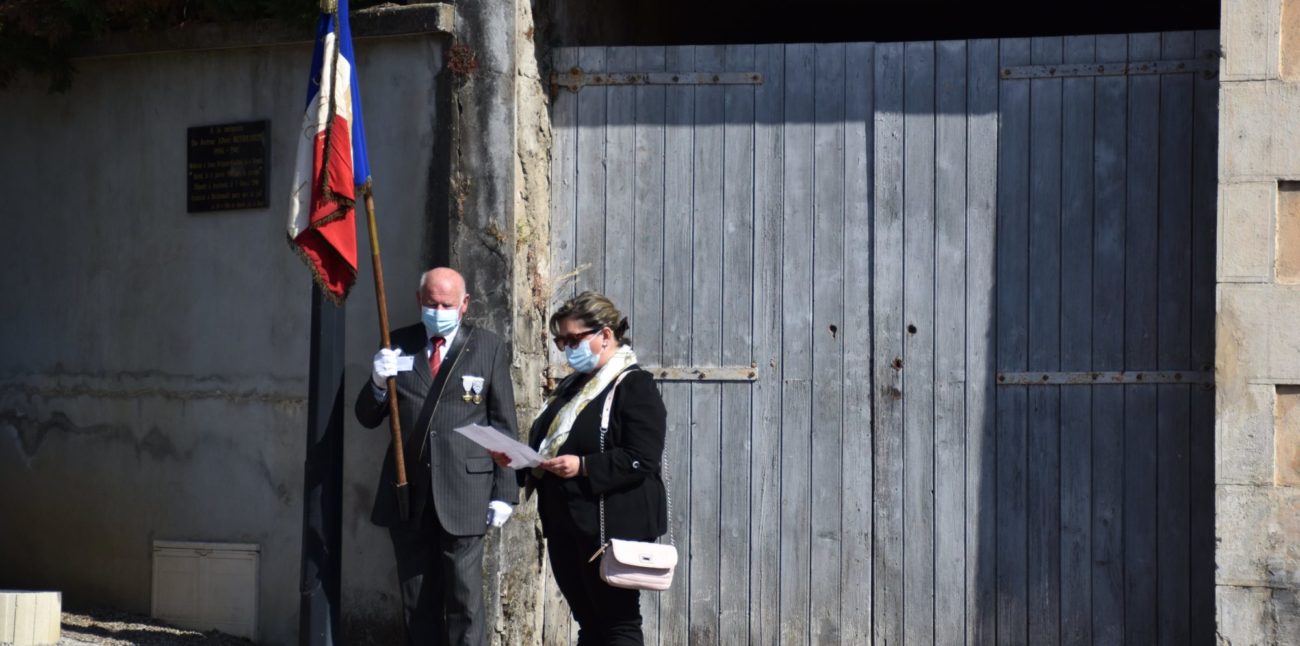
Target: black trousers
x=606 y=616
x=441 y=578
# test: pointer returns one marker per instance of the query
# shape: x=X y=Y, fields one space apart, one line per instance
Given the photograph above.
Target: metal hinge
x=697 y=374
x=1097 y=378
x=1208 y=66
x=704 y=373
x=576 y=78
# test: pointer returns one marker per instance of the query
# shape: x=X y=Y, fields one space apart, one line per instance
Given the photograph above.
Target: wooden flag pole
x=394 y=421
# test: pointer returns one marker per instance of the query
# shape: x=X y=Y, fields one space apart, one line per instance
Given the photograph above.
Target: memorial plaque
x=227 y=167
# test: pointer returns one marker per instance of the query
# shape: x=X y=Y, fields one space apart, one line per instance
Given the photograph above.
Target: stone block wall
x=1258 y=344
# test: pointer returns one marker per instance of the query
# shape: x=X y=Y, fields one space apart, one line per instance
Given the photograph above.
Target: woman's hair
x=596 y=312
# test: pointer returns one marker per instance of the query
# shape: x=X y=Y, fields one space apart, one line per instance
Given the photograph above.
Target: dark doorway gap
x=705 y=22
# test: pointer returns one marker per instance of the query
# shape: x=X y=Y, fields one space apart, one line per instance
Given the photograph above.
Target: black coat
x=458 y=474
x=627 y=473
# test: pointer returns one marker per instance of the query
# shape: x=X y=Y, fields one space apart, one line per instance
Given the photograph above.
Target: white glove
x=385 y=367
x=498 y=513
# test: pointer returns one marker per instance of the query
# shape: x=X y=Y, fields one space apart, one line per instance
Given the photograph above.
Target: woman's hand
x=565 y=466
x=501 y=459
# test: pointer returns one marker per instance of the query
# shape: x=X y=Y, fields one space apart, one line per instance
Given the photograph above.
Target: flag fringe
x=341 y=212
x=336 y=299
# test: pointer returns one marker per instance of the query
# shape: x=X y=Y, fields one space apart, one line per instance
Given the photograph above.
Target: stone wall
x=154 y=362
x=1258 y=342
x=499 y=210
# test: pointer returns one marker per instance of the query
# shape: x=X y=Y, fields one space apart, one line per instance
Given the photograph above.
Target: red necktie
x=435 y=357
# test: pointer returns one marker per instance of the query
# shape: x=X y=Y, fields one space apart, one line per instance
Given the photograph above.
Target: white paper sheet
x=405 y=362
x=520 y=454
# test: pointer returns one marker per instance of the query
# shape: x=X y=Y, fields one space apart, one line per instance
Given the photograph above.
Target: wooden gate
x=935 y=322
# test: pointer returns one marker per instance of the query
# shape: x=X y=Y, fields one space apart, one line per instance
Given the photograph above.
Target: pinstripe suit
x=451 y=479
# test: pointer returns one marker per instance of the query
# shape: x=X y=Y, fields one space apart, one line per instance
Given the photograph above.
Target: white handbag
x=635 y=565
x=638 y=565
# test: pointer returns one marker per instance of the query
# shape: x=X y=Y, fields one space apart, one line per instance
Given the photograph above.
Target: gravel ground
x=117 y=628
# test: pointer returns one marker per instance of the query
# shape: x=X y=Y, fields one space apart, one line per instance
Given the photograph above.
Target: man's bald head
x=443 y=288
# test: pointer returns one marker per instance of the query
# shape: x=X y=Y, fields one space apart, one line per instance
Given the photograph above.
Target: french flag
x=331 y=161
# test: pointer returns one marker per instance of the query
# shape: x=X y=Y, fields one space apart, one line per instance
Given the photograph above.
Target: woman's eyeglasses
x=572 y=340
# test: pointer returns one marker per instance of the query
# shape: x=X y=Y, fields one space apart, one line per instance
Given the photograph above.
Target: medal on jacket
x=473 y=389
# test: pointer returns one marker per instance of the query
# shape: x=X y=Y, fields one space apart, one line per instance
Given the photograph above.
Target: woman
x=576 y=473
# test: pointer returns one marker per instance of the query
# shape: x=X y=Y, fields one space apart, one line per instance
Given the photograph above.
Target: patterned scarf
x=563 y=422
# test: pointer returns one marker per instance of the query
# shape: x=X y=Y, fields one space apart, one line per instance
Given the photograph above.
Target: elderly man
x=460 y=376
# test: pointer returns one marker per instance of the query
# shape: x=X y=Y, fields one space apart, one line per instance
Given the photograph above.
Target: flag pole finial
x=329 y=6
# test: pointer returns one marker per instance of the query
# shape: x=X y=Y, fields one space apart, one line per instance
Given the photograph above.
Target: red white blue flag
x=331 y=161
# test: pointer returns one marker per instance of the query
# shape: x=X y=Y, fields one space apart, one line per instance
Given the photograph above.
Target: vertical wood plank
x=648 y=250
x=737 y=348
x=765 y=456
x=8 y=617
x=796 y=399
x=1140 y=290
x=1205 y=128
x=1012 y=344
x=1043 y=438
x=856 y=506
x=706 y=349
x=981 y=268
x=1076 y=345
x=590 y=218
x=1109 y=167
x=564 y=175
x=620 y=180
x=827 y=449
x=887 y=328
x=647 y=268
x=1173 y=342
x=949 y=344
x=918 y=342
x=674 y=616
x=674 y=604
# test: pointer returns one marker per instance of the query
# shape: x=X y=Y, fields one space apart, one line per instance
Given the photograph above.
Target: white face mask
x=439 y=322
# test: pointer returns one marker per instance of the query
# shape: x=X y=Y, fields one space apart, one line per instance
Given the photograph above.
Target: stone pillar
x=1257 y=354
x=482 y=74
x=498 y=234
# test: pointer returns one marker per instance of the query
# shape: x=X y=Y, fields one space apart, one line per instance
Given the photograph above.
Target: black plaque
x=227 y=167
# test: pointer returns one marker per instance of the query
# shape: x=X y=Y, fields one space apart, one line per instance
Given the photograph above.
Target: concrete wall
x=153 y=363
x=1258 y=342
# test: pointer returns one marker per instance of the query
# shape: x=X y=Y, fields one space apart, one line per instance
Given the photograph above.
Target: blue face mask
x=581 y=358
x=439 y=322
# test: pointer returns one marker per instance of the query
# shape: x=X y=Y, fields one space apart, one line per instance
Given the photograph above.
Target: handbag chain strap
x=663 y=466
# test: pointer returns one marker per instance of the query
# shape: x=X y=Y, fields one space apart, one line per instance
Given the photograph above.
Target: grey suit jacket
x=443 y=467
